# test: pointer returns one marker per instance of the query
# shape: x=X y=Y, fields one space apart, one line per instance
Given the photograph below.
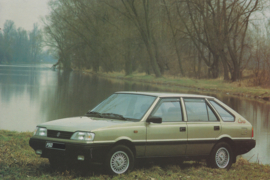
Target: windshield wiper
x=114 y=115
x=93 y=113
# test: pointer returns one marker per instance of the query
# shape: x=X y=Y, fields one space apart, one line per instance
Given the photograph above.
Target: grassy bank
x=240 y=88
x=18 y=161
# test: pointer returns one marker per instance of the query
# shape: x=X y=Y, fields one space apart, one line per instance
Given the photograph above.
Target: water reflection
x=30 y=95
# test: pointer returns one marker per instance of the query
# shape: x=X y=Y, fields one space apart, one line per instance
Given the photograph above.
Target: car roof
x=164 y=94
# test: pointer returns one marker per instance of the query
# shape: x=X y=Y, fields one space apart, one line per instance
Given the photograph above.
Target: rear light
x=252 y=135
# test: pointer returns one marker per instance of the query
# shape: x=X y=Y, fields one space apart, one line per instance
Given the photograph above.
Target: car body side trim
x=172 y=140
x=241 y=138
x=201 y=139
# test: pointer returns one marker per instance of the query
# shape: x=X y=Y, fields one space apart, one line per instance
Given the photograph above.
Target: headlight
x=40 y=131
x=87 y=136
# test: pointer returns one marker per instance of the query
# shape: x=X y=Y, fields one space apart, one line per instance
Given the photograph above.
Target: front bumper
x=93 y=153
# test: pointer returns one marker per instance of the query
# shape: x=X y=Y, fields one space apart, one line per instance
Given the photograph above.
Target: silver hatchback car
x=131 y=125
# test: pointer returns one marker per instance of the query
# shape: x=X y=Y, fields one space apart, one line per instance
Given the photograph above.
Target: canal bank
x=239 y=88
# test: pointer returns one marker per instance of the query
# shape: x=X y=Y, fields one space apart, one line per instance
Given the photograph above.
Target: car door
x=169 y=137
x=203 y=126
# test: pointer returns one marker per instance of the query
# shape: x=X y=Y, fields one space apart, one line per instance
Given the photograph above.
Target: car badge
x=58 y=134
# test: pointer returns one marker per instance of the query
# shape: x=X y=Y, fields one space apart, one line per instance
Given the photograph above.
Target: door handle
x=182 y=129
x=216 y=128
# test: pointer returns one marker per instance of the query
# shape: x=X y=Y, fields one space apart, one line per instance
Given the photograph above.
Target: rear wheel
x=119 y=160
x=221 y=156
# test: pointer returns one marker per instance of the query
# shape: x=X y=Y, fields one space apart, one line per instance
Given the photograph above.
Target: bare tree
x=221 y=26
x=174 y=35
x=141 y=20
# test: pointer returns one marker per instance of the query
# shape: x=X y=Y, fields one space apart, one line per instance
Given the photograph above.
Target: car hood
x=80 y=124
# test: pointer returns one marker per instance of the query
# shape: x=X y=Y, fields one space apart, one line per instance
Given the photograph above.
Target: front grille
x=63 y=134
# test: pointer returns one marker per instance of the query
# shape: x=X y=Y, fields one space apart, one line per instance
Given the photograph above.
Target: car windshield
x=123 y=106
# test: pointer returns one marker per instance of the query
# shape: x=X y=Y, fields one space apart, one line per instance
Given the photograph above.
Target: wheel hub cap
x=119 y=162
x=222 y=157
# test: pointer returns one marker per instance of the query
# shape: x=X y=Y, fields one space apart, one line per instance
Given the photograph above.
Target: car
x=128 y=126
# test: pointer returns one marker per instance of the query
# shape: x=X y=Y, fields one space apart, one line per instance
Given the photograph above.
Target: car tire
x=119 y=160
x=221 y=156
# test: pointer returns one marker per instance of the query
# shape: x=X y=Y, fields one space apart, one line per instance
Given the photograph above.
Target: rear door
x=168 y=138
x=203 y=126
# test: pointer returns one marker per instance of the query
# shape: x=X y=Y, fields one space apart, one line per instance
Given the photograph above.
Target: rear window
x=224 y=114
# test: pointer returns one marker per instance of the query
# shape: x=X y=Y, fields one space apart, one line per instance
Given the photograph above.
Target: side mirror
x=154 y=119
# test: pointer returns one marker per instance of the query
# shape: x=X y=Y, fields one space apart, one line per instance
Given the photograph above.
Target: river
x=32 y=94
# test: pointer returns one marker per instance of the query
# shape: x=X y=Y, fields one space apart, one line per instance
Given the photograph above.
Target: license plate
x=55 y=145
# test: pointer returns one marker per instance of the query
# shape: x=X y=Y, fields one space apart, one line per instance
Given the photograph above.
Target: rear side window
x=225 y=115
x=198 y=110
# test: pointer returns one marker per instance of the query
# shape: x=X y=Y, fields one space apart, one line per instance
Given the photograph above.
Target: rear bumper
x=244 y=146
x=93 y=153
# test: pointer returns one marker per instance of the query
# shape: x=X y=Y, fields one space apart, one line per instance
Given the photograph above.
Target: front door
x=168 y=138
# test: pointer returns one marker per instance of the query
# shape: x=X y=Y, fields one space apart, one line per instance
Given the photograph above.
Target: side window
x=212 y=116
x=169 y=111
x=225 y=115
x=198 y=110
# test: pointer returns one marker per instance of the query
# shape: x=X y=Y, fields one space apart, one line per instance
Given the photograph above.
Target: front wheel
x=221 y=156
x=119 y=160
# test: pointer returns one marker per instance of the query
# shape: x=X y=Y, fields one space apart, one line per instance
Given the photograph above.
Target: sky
x=23 y=12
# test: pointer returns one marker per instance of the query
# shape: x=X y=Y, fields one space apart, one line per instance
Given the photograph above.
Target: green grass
x=177 y=84
x=18 y=161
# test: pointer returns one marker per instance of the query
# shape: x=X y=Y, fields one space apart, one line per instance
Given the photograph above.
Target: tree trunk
x=225 y=71
x=215 y=68
x=128 y=63
x=153 y=60
x=199 y=66
x=158 y=57
x=95 y=64
x=236 y=73
x=174 y=40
